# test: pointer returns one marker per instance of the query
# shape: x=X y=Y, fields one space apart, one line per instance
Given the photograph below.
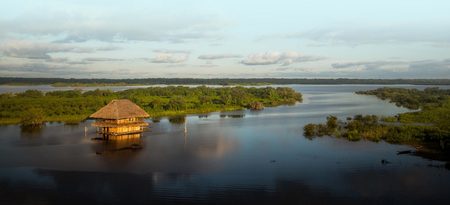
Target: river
x=241 y=157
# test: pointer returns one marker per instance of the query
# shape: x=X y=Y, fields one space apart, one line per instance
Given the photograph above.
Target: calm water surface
x=240 y=157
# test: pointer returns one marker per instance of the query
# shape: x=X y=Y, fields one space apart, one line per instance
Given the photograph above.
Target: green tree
x=332 y=123
x=176 y=103
x=256 y=105
x=31 y=94
x=309 y=130
x=33 y=117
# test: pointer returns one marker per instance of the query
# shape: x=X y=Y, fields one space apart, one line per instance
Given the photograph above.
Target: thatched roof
x=119 y=109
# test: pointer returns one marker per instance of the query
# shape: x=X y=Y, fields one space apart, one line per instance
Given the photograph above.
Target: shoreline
x=216 y=81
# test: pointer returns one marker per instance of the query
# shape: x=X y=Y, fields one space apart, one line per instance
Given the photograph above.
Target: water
x=336 y=88
x=241 y=157
x=49 y=88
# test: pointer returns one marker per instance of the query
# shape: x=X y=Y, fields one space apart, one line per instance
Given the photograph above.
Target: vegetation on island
x=411 y=98
x=433 y=105
x=211 y=81
x=34 y=107
x=428 y=127
x=93 y=84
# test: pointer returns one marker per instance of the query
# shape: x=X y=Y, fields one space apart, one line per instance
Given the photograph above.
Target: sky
x=225 y=39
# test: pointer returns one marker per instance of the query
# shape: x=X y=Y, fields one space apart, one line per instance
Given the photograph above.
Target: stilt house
x=120 y=117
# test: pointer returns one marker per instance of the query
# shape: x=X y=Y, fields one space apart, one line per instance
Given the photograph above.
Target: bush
x=309 y=130
x=33 y=117
x=256 y=106
x=353 y=135
x=332 y=123
x=31 y=94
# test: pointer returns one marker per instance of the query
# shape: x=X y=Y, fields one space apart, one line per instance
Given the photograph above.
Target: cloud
x=218 y=56
x=33 y=50
x=61 y=70
x=281 y=58
x=368 y=65
x=42 y=70
x=170 y=51
x=57 y=60
x=397 y=69
x=108 y=26
x=433 y=34
x=42 y=52
x=169 y=56
x=102 y=59
x=431 y=66
x=108 y=48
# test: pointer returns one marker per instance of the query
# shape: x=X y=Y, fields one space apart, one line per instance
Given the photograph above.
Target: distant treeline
x=215 y=81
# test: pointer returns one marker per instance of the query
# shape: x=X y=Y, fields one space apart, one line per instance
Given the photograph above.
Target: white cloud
x=389 y=34
x=170 y=51
x=281 y=58
x=99 y=59
x=402 y=69
x=78 y=26
x=167 y=56
x=218 y=56
x=42 y=70
x=36 y=50
x=371 y=65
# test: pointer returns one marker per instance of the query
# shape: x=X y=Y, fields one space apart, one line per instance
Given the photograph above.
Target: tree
x=205 y=100
x=33 y=117
x=155 y=104
x=256 y=105
x=176 y=103
x=309 y=130
x=332 y=123
x=31 y=94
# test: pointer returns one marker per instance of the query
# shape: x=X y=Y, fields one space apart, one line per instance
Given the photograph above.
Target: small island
x=427 y=128
x=34 y=107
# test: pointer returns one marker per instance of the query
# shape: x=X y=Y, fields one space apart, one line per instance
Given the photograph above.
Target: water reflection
x=240 y=157
x=203 y=116
x=31 y=131
x=233 y=114
x=180 y=119
x=207 y=148
x=78 y=187
x=156 y=119
x=127 y=145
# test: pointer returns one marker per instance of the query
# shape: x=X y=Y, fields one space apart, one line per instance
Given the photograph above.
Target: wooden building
x=120 y=119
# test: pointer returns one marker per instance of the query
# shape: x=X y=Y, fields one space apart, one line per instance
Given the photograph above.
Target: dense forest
x=434 y=105
x=33 y=106
x=429 y=126
x=411 y=98
x=213 y=81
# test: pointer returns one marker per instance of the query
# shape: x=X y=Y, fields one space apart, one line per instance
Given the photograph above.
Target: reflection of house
x=120 y=118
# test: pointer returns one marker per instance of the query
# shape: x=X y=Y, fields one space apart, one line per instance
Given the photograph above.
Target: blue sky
x=213 y=39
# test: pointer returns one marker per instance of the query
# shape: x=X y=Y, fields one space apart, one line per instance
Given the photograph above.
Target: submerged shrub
x=309 y=130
